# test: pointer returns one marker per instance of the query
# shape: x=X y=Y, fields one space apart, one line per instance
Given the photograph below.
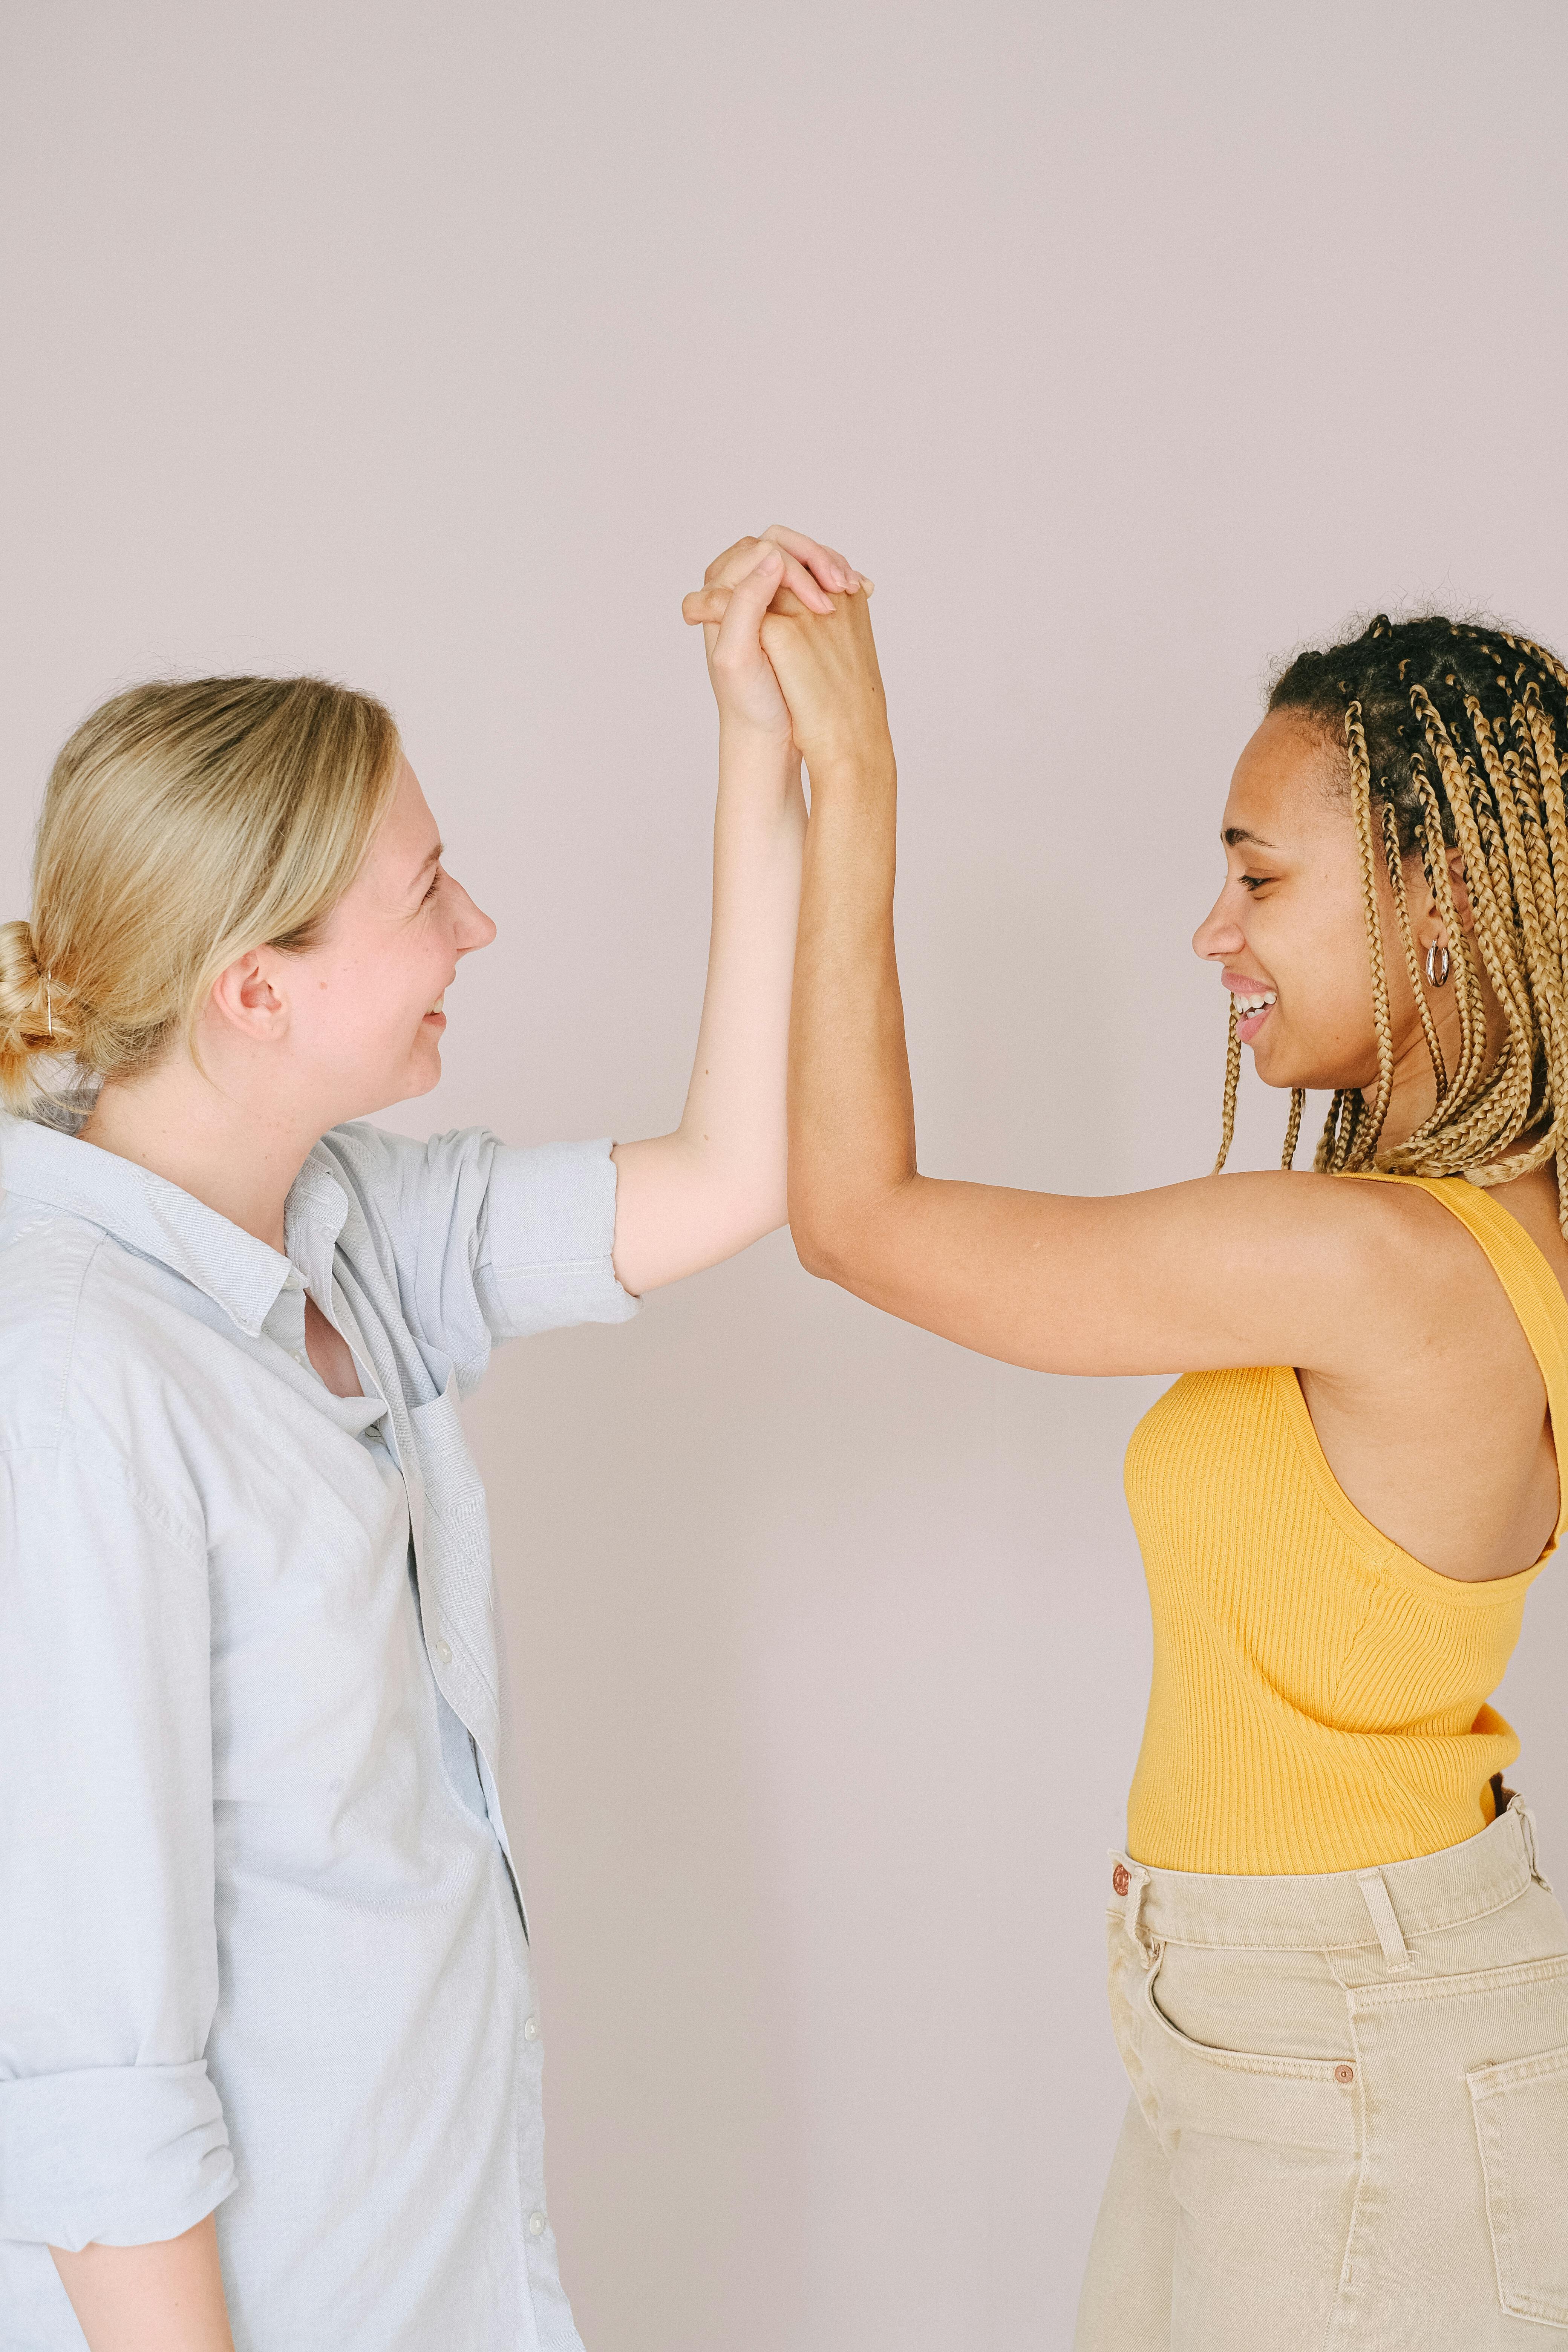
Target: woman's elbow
x=828 y=1239
x=814 y=1255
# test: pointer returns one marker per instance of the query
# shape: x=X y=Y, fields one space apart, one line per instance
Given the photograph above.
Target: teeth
x=1246 y=1006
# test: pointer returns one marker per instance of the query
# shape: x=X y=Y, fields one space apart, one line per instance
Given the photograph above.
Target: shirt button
x=536 y=2225
x=530 y=2029
x=300 y=1358
x=444 y=1651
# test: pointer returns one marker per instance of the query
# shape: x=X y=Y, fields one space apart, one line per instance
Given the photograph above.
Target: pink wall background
x=439 y=348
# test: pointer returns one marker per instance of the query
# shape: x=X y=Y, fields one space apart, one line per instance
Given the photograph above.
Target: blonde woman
x=1339 y=1981
x=267 y=2019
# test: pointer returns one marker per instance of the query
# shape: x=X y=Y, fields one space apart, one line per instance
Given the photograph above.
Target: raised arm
x=1247 y=1269
x=686 y=1200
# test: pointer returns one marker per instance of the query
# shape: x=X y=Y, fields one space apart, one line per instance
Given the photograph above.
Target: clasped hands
x=790 y=649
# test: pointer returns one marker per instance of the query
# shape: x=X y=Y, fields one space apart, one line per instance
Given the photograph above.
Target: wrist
x=751 y=737
x=840 y=767
x=757 y=759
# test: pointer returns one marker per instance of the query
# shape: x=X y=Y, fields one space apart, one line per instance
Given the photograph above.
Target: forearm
x=851 y=1110
x=688 y=1199
x=160 y=2298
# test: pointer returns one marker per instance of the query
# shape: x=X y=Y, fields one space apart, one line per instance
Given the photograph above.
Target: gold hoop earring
x=1437 y=964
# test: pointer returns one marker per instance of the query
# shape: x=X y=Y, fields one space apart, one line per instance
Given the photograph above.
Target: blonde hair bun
x=30 y=1019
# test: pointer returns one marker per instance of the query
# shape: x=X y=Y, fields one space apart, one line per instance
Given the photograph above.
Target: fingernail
x=772 y=558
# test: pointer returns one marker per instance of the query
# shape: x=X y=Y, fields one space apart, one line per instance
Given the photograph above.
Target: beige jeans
x=1349 y=2128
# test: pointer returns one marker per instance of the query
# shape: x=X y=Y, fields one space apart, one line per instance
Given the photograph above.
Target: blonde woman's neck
x=228 y=1145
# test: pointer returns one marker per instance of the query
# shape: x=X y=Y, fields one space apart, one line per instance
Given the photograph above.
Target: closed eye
x=435 y=881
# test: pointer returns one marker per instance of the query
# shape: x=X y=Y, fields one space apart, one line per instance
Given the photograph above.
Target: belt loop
x=1129 y=1880
x=1527 y=1824
x=1374 y=1893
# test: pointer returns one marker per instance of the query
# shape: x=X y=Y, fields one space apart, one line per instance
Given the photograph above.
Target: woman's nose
x=475 y=929
x=1219 y=935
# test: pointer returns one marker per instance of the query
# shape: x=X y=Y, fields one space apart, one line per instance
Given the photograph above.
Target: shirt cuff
x=549 y=1232
x=112 y=2156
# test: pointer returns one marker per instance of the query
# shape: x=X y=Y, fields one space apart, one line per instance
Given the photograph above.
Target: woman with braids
x=1337 y=1979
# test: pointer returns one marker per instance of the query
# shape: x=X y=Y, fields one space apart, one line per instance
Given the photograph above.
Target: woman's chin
x=1284 y=1073
x=1279 y=1067
x=1266 y=1062
x=421 y=1073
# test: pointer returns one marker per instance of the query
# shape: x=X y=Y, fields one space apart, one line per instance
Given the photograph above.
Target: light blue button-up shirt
x=260 y=1943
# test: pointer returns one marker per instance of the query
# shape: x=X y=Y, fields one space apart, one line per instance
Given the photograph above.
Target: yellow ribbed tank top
x=1319 y=1698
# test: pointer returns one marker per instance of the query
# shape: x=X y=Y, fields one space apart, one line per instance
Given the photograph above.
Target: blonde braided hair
x=1453 y=735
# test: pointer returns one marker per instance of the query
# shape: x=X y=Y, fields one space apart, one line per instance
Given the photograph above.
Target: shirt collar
x=238 y=1273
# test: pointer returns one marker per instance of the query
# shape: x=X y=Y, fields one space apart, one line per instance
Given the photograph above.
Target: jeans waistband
x=1339 y=1908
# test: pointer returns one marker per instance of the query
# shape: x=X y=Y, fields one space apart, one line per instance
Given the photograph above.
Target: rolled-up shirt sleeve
x=545 y=1251
x=110 y=2129
x=489 y=1241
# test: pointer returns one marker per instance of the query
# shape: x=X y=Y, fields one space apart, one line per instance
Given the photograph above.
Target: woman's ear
x=1427 y=923
x=244 y=996
x=1462 y=907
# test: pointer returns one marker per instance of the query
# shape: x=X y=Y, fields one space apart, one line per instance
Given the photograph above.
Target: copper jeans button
x=1118 y=1878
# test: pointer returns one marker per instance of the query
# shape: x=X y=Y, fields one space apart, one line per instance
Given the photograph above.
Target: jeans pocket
x=1262 y=2152
x=1262 y=2062
x=1521 y=2124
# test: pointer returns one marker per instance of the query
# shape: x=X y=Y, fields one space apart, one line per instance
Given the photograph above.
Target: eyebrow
x=1234 y=834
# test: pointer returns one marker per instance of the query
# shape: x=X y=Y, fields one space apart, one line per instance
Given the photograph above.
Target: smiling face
x=365 y=1000
x=1288 y=929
